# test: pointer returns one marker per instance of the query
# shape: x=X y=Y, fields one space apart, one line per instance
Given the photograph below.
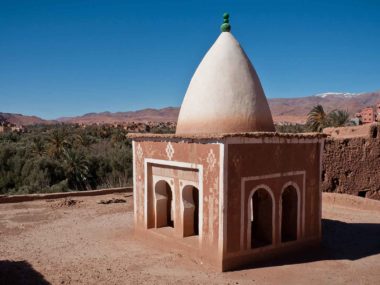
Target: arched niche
x=190 y=199
x=164 y=205
x=261 y=217
x=290 y=199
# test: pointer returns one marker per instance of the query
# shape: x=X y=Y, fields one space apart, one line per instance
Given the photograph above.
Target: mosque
x=226 y=187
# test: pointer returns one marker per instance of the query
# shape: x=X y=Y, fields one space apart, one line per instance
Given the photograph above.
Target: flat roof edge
x=226 y=135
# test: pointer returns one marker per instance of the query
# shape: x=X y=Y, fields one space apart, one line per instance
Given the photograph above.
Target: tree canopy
x=64 y=157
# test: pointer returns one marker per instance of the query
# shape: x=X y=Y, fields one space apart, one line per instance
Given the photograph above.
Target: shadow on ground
x=340 y=241
x=20 y=272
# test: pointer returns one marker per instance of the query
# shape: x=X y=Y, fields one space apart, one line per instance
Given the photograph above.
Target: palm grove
x=317 y=120
x=61 y=158
x=64 y=157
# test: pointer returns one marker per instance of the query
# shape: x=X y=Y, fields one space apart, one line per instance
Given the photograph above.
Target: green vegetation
x=63 y=158
x=339 y=118
x=318 y=119
x=291 y=128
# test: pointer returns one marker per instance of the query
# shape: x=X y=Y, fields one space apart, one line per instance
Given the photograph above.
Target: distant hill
x=168 y=114
x=301 y=106
x=19 y=119
x=293 y=110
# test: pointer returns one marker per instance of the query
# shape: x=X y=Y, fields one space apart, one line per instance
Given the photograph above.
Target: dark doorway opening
x=261 y=218
x=289 y=214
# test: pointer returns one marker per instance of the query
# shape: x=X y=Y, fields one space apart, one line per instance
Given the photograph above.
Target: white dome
x=225 y=94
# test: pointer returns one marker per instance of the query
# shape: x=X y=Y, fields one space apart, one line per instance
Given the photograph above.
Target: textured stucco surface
x=206 y=155
x=352 y=165
x=247 y=160
x=226 y=160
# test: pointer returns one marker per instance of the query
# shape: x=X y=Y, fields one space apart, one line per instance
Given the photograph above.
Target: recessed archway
x=190 y=198
x=164 y=205
x=289 y=214
x=261 y=215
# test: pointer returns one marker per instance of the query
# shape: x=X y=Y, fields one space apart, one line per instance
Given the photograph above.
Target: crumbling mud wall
x=352 y=165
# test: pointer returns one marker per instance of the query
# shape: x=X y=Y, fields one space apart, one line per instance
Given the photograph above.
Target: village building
x=18 y=129
x=5 y=127
x=226 y=187
x=369 y=115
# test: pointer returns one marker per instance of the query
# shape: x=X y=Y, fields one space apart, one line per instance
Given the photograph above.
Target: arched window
x=190 y=198
x=261 y=218
x=289 y=214
x=164 y=205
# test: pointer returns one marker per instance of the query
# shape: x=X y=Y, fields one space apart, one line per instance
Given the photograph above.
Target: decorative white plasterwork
x=139 y=152
x=211 y=160
x=169 y=150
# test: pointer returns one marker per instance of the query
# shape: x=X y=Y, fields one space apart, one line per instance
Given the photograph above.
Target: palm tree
x=57 y=143
x=118 y=136
x=76 y=169
x=38 y=146
x=338 y=118
x=83 y=140
x=317 y=119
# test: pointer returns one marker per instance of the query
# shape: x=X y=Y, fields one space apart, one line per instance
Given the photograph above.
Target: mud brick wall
x=352 y=165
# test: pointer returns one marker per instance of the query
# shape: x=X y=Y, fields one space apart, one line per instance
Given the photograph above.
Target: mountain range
x=292 y=110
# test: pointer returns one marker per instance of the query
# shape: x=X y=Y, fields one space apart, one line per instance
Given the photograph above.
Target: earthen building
x=226 y=186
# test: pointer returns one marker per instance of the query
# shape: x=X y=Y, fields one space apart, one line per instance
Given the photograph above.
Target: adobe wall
x=228 y=169
x=274 y=165
x=349 y=132
x=352 y=165
x=205 y=156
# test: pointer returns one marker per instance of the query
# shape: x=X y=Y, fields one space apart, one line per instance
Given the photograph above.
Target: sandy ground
x=53 y=242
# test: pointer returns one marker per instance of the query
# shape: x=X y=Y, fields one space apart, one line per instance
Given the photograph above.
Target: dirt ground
x=82 y=242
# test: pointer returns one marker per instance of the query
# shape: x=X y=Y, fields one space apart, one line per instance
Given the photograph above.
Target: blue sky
x=65 y=58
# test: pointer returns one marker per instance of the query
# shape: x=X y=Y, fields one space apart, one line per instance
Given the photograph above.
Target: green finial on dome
x=226 y=27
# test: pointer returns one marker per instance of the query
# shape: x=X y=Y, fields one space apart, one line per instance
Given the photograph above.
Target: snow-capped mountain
x=352 y=102
x=337 y=94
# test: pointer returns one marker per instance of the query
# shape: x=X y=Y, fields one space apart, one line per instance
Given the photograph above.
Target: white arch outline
x=249 y=229
x=158 y=179
x=295 y=185
x=271 y=176
x=149 y=161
